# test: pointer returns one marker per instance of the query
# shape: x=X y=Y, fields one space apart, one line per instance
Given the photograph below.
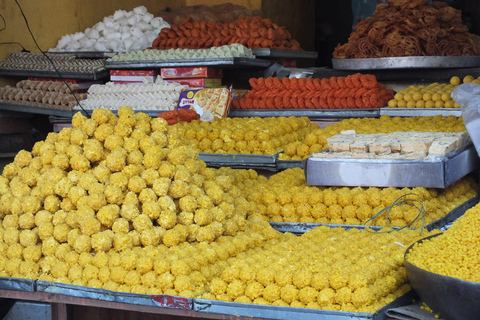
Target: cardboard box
x=132 y=75
x=191 y=72
x=215 y=100
x=199 y=82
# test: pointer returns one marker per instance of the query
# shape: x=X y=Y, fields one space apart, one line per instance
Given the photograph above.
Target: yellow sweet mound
x=285 y=197
x=316 y=140
x=115 y=182
x=324 y=268
x=454 y=253
x=243 y=135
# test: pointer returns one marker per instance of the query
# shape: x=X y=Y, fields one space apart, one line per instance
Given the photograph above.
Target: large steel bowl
x=452 y=298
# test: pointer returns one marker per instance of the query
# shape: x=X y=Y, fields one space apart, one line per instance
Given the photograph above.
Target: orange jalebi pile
x=252 y=32
x=350 y=92
x=174 y=116
x=409 y=28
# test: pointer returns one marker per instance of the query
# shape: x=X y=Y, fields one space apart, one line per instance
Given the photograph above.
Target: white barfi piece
x=443 y=146
x=339 y=143
x=381 y=146
x=416 y=145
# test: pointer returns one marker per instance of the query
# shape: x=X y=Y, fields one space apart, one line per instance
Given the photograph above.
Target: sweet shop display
x=350 y=92
x=119 y=32
x=252 y=32
x=401 y=28
x=211 y=173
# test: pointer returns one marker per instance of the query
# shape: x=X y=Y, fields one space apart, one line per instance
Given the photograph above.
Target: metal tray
x=240 y=161
x=312 y=114
x=36 y=110
x=288 y=164
x=165 y=301
x=227 y=62
x=281 y=53
x=433 y=173
x=452 y=298
x=17 y=284
x=437 y=62
x=287 y=313
x=98 y=75
x=299 y=228
x=423 y=112
x=87 y=54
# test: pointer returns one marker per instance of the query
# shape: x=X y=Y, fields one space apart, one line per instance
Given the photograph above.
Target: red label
x=174 y=302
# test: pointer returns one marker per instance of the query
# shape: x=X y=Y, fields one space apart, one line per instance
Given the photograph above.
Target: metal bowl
x=452 y=298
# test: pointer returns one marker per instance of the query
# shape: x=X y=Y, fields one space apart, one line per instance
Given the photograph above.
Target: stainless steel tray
x=36 y=110
x=17 y=284
x=87 y=54
x=312 y=114
x=433 y=173
x=288 y=164
x=114 y=296
x=299 y=228
x=98 y=75
x=228 y=62
x=242 y=161
x=287 y=313
x=424 y=112
x=281 y=53
x=437 y=62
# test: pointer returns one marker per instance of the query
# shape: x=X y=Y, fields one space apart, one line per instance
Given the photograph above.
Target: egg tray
x=299 y=228
x=434 y=172
x=420 y=112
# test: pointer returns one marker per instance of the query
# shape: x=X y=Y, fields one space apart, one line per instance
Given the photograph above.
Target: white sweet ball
x=73 y=45
x=133 y=20
x=99 y=26
x=79 y=35
x=147 y=17
x=108 y=22
x=140 y=10
x=92 y=33
x=119 y=14
x=144 y=26
x=100 y=45
x=136 y=32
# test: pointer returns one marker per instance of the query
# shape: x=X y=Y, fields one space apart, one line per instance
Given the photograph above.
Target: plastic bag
x=467 y=96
